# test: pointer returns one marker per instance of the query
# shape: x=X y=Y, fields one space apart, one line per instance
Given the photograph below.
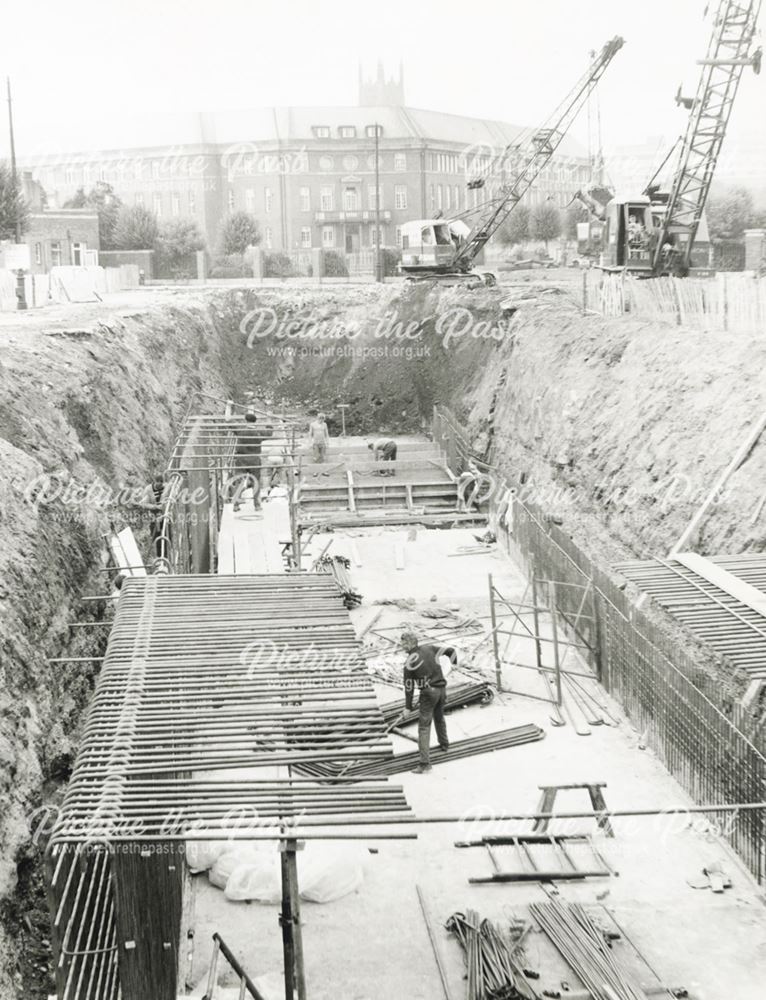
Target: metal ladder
x=246 y=986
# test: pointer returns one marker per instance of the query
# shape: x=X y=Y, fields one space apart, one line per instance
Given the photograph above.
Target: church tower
x=379 y=91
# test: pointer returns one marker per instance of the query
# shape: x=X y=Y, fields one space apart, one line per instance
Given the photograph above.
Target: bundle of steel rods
x=492 y=972
x=585 y=948
x=338 y=566
x=487 y=743
x=458 y=696
x=206 y=673
x=173 y=806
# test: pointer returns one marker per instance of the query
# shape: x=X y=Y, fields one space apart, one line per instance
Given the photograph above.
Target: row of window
x=345 y=131
x=448 y=163
x=441 y=197
x=328 y=237
x=444 y=197
x=248 y=165
x=350 y=200
x=177 y=207
x=120 y=171
x=56 y=253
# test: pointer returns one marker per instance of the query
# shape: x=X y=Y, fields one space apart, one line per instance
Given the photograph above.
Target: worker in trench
x=248 y=458
x=423 y=673
x=319 y=436
x=384 y=449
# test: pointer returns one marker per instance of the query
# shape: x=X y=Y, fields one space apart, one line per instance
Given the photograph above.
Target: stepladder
x=548 y=801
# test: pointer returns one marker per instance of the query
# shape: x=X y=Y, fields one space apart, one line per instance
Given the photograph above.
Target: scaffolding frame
x=532 y=604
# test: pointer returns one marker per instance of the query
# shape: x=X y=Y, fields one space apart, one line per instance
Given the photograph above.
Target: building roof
x=285 y=124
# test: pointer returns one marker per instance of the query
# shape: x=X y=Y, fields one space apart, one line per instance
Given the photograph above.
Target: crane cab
x=630 y=235
x=429 y=245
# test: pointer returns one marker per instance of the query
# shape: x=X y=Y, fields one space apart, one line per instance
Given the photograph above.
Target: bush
x=391 y=261
x=177 y=268
x=136 y=229
x=177 y=244
x=231 y=266
x=729 y=255
x=238 y=232
x=278 y=265
x=516 y=227
x=545 y=222
x=335 y=264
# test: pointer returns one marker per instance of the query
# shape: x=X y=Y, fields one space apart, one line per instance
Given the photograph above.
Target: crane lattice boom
x=543 y=145
x=728 y=53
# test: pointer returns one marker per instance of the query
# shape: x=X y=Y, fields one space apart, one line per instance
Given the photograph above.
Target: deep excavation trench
x=618 y=428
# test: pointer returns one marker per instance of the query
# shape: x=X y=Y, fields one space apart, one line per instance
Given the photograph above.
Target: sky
x=76 y=65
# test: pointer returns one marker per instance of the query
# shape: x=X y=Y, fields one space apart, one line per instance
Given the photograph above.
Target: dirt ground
x=373 y=944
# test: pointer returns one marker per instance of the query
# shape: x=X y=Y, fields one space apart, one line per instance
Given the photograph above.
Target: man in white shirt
x=319 y=437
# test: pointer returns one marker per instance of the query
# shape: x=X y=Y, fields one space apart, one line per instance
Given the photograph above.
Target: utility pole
x=21 y=297
x=14 y=175
x=378 y=269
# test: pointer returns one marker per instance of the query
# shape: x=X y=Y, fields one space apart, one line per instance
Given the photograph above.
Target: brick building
x=308 y=174
x=58 y=236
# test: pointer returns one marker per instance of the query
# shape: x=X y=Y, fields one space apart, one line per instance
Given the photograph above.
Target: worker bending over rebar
x=423 y=672
x=384 y=449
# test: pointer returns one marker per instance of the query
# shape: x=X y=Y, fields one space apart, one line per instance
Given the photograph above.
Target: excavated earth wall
x=619 y=427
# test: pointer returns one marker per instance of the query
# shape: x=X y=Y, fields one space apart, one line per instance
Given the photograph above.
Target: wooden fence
x=727 y=301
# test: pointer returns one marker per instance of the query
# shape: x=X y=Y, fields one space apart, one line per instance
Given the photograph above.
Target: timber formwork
x=352 y=488
x=202 y=674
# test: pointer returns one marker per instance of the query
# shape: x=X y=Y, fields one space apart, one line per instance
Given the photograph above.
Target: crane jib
x=543 y=144
x=734 y=28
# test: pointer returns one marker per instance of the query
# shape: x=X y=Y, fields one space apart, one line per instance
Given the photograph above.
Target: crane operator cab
x=630 y=236
x=431 y=245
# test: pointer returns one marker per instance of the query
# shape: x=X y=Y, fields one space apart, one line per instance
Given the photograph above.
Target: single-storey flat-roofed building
x=307 y=174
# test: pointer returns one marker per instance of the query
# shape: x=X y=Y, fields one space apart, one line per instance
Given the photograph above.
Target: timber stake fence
x=725 y=302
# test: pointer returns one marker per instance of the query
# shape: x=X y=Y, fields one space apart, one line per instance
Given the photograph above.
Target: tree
x=516 y=227
x=239 y=231
x=136 y=229
x=545 y=223
x=730 y=211
x=13 y=205
x=176 y=242
x=102 y=198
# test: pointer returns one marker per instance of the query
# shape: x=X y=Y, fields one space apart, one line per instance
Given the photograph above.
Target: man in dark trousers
x=423 y=672
x=384 y=450
x=248 y=457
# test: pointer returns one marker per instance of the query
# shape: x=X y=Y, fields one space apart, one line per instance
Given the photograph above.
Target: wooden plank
x=724 y=580
x=125 y=553
x=148 y=917
x=351 y=500
x=740 y=455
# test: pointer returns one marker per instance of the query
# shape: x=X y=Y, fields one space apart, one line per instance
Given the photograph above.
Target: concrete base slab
x=373 y=944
